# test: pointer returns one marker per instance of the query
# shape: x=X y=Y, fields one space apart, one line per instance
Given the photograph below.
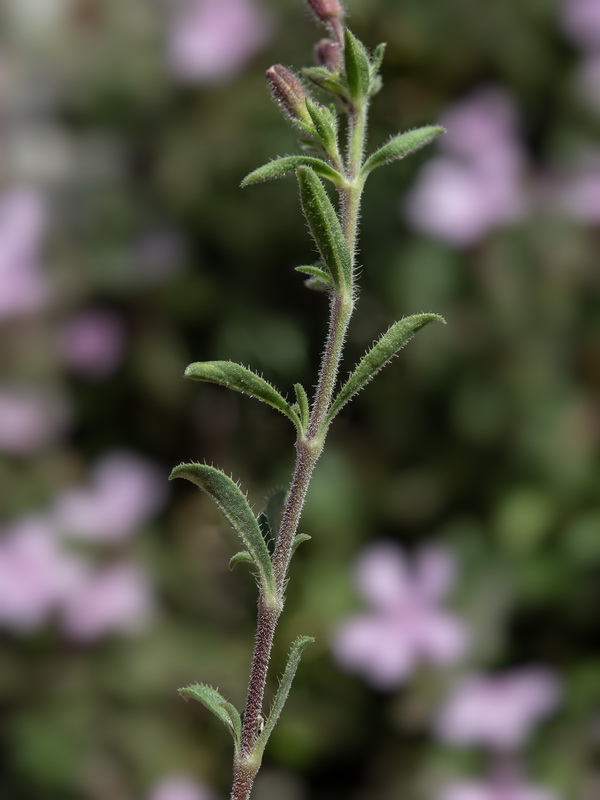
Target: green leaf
x=298 y=540
x=324 y=125
x=303 y=402
x=325 y=80
x=401 y=146
x=239 y=379
x=269 y=518
x=287 y=165
x=242 y=557
x=358 y=68
x=319 y=279
x=283 y=691
x=377 y=59
x=230 y=499
x=215 y=702
x=378 y=356
x=325 y=227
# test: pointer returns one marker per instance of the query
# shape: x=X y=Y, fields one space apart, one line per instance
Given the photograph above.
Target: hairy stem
x=308 y=450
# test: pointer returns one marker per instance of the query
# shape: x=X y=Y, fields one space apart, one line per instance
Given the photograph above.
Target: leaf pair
x=229 y=715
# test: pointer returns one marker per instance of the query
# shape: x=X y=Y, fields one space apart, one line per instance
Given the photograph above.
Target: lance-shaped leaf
x=215 y=702
x=298 y=540
x=232 y=502
x=358 y=68
x=326 y=80
x=287 y=165
x=401 y=146
x=378 y=356
x=325 y=227
x=302 y=398
x=325 y=125
x=240 y=379
x=283 y=691
x=318 y=279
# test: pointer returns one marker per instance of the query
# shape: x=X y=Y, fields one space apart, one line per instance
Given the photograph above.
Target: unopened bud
x=288 y=91
x=329 y=55
x=326 y=10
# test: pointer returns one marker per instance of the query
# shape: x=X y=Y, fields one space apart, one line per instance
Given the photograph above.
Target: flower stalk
x=351 y=76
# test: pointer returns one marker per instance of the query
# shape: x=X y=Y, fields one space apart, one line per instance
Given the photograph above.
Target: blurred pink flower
x=22 y=228
x=211 y=40
x=498 y=711
x=126 y=491
x=581 y=19
x=478 y=185
x=179 y=787
x=30 y=419
x=91 y=343
x=407 y=624
x=115 y=599
x=513 y=788
x=579 y=196
x=36 y=574
x=588 y=81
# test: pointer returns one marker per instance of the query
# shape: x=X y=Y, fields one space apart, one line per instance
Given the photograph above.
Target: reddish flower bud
x=288 y=92
x=326 y=10
x=329 y=55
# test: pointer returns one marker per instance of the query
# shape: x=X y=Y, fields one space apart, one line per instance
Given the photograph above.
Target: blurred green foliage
x=482 y=435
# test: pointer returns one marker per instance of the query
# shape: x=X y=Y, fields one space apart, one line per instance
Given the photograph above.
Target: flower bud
x=329 y=55
x=288 y=92
x=326 y=10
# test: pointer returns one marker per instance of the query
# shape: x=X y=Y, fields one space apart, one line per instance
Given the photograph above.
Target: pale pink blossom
x=477 y=185
x=125 y=492
x=581 y=19
x=211 y=40
x=514 y=789
x=588 y=81
x=179 y=787
x=407 y=624
x=31 y=419
x=498 y=711
x=23 y=219
x=36 y=574
x=579 y=194
x=91 y=343
x=110 y=600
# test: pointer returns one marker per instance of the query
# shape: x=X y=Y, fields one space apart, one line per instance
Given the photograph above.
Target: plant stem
x=308 y=450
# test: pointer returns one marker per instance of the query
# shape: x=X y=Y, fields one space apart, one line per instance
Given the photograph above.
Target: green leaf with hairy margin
x=215 y=702
x=378 y=356
x=239 y=379
x=401 y=146
x=298 y=540
x=319 y=279
x=287 y=165
x=326 y=80
x=283 y=691
x=243 y=557
x=325 y=227
x=232 y=502
x=302 y=399
x=377 y=59
x=358 y=68
x=325 y=125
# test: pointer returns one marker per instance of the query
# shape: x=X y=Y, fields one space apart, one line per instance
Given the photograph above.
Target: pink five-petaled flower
x=477 y=185
x=211 y=40
x=407 y=624
x=36 y=574
x=112 y=600
x=500 y=711
x=125 y=491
